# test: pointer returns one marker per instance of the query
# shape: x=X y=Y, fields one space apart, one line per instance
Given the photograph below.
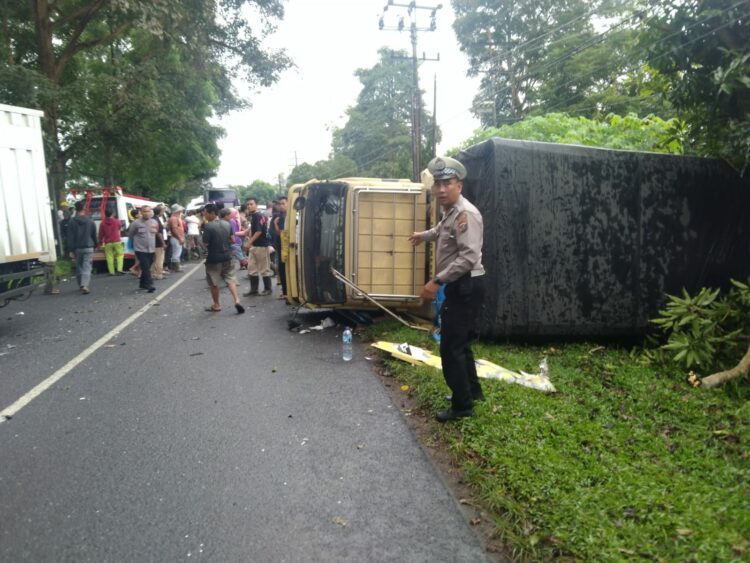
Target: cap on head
x=176 y=208
x=444 y=167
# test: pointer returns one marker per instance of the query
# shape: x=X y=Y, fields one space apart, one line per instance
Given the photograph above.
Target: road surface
x=138 y=427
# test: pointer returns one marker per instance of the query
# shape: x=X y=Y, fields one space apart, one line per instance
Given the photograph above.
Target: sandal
x=212 y=310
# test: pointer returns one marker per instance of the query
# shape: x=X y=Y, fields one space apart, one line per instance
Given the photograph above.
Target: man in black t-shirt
x=217 y=235
x=258 y=263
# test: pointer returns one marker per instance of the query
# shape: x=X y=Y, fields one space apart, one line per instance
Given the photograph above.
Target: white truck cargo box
x=26 y=228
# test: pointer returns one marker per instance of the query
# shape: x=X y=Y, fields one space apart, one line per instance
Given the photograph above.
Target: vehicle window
x=324 y=233
x=95 y=207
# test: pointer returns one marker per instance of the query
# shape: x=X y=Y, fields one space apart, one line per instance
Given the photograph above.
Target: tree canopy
x=702 y=49
x=627 y=132
x=127 y=86
x=685 y=59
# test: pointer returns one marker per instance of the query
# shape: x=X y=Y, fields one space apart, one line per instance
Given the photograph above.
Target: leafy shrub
x=628 y=132
x=707 y=331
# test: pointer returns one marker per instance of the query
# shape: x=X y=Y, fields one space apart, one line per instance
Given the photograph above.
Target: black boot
x=254 y=282
x=266 y=286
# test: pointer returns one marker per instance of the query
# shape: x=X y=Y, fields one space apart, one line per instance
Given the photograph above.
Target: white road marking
x=60 y=373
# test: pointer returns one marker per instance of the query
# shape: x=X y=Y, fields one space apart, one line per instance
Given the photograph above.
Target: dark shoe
x=254 y=283
x=240 y=308
x=477 y=398
x=119 y=273
x=266 y=286
x=151 y=289
x=450 y=414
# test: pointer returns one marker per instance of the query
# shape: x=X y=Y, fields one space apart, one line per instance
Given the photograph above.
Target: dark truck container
x=582 y=241
x=222 y=197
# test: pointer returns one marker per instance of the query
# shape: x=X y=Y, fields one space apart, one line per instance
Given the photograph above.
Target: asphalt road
x=197 y=436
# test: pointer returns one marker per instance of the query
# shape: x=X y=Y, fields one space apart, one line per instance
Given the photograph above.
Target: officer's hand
x=429 y=290
x=415 y=240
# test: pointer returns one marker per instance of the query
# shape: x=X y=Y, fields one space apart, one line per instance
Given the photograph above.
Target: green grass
x=622 y=463
x=63 y=267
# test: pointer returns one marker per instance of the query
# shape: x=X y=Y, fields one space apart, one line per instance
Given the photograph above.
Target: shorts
x=219 y=271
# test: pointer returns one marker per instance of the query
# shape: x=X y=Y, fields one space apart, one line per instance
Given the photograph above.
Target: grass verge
x=63 y=267
x=622 y=463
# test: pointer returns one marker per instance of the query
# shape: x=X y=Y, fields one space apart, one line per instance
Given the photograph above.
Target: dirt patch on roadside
x=422 y=424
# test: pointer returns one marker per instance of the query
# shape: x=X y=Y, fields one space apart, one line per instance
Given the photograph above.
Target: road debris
x=485 y=369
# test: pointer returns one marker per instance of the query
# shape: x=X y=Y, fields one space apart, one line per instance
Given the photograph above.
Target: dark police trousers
x=459 y=320
x=145 y=259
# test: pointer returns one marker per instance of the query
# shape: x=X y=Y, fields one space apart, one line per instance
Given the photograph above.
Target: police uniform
x=459 y=237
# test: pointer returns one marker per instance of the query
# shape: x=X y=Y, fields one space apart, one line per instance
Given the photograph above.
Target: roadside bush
x=705 y=332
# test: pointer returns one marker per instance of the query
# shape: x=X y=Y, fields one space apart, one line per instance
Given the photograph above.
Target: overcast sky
x=328 y=40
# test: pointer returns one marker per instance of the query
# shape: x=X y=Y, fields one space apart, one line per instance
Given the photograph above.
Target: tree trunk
x=43 y=25
x=738 y=371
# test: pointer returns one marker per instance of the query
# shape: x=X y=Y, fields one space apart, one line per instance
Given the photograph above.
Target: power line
x=605 y=65
x=379 y=153
x=564 y=56
x=541 y=36
x=644 y=49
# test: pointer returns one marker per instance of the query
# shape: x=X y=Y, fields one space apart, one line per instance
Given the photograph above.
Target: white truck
x=27 y=234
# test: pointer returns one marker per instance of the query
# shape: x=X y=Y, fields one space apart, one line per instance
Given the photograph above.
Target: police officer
x=459 y=268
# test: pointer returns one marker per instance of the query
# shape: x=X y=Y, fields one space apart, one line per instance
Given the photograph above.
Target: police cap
x=444 y=167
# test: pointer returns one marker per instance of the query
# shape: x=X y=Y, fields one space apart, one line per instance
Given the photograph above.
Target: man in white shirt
x=194 y=243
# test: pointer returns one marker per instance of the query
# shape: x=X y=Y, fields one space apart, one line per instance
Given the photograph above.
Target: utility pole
x=416 y=102
x=434 y=115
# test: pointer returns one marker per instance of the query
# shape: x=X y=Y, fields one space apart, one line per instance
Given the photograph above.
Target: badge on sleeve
x=462 y=222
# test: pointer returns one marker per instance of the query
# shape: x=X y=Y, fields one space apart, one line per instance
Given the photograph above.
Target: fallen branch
x=721 y=377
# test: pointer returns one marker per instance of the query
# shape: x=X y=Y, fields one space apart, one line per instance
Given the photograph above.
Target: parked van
x=358 y=227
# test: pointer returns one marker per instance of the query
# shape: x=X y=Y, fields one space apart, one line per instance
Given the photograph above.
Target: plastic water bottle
x=346 y=344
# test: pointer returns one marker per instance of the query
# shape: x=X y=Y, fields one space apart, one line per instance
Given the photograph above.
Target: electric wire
x=639 y=52
x=380 y=154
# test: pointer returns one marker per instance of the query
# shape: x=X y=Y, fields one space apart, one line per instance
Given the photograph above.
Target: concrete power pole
x=416 y=104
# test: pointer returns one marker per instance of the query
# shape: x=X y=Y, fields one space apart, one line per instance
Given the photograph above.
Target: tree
x=140 y=120
x=542 y=55
x=702 y=47
x=627 y=132
x=260 y=190
x=49 y=48
x=338 y=167
x=377 y=134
